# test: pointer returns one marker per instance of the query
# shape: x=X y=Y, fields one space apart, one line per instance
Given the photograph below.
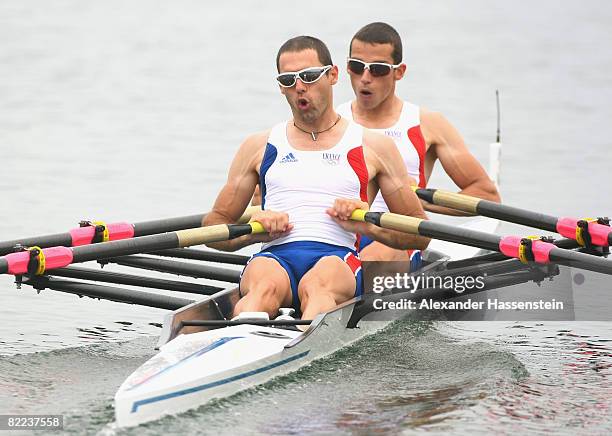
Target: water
x=133 y=111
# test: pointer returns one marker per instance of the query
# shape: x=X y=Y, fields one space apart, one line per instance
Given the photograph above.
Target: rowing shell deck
x=194 y=368
x=198 y=364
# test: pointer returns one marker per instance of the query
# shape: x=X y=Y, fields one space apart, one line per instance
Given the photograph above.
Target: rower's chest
x=327 y=170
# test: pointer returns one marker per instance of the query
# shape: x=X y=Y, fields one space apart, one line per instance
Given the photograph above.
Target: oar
x=37 y=260
x=112 y=232
x=577 y=229
x=511 y=246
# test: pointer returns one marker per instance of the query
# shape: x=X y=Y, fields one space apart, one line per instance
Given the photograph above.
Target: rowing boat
x=203 y=355
x=197 y=364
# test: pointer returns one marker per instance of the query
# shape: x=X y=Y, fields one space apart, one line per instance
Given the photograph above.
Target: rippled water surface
x=133 y=110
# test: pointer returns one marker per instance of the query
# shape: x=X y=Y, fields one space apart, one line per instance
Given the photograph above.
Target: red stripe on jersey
x=357 y=161
x=418 y=141
x=353 y=262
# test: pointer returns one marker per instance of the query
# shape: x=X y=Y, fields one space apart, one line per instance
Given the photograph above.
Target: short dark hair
x=300 y=43
x=380 y=33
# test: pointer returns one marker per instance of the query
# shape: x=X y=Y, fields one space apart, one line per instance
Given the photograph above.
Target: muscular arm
x=235 y=195
x=256 y=201
x=447 y=145
x=395 y=186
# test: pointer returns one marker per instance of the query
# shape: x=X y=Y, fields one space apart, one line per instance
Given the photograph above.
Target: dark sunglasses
x=307 y=75
x=377 y=69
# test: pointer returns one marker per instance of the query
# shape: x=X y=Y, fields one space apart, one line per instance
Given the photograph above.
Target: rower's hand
x=341 y=214
x=276 y=224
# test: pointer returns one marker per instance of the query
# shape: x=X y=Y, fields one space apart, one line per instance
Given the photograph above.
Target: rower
x=314 y=171
x=422 y=136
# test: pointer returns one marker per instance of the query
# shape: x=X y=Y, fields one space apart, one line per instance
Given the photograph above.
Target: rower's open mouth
x=365 y=92
x=303 y=103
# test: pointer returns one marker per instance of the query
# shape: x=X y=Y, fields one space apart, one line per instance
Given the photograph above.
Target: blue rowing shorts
x=297 y=258
x=364 y=241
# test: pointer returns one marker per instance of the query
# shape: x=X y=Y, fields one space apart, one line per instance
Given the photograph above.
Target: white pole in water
x=495 y=150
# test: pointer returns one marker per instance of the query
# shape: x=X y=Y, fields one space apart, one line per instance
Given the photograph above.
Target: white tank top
x=407 y=135
x=304 y=184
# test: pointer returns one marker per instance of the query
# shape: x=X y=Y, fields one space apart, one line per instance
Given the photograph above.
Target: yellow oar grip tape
x=525 y=252
x=39 y=257
x=582 y=236
x=257 y=227
x=104 y=232
x=358 y=215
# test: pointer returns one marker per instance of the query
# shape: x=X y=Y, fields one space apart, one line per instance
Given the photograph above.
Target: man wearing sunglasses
x=314 y=171
x=374 y=66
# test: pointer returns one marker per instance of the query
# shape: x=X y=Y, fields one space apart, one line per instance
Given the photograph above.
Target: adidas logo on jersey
x=288 y=158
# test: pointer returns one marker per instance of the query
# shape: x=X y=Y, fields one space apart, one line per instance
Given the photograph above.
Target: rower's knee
x=263 y=290
x=313 y=290
x=264 y=295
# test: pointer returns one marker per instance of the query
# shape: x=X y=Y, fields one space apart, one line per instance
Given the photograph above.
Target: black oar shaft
x=179 y=268
x=124 y=247
x=140 y=229
x=430 y=229
x=134 y=280
x=581 y=260
x=459 y=235
x=488 y=208
x=518 y=216
x=474 y=238
x=207 y=256
x=4 y=266
x=168 y=225
x=58 y=239
x=180 y=239
x=109 y=293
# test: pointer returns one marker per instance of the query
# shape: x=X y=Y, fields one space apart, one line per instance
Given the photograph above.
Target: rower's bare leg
x=265 y=287
x=389 y=261
x=378 y=252
x=327 y=284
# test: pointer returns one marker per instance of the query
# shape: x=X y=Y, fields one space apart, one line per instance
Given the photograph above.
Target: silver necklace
x=314 y=134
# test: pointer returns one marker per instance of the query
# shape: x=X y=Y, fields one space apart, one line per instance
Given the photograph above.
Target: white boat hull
x=196 y=368
x=192 y=369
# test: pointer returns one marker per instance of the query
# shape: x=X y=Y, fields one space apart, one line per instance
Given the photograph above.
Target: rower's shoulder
x=430 y=118
x=377 y=142
x=345 y=109
x=255 y=141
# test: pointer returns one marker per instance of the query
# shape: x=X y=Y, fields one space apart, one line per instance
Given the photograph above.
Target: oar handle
x=257 y=227
x=388 y=220
x=359 y=215
x=116 y=231
x=248 y=213
x=600 y=234
x=57 y=257
x=465 y=203
x=511 y=246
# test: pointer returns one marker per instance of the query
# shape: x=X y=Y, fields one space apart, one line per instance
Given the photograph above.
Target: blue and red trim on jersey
x=268 y=159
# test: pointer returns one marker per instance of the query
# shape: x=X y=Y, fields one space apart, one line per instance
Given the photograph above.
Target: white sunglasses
x=377 y=69
x=307 y=75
